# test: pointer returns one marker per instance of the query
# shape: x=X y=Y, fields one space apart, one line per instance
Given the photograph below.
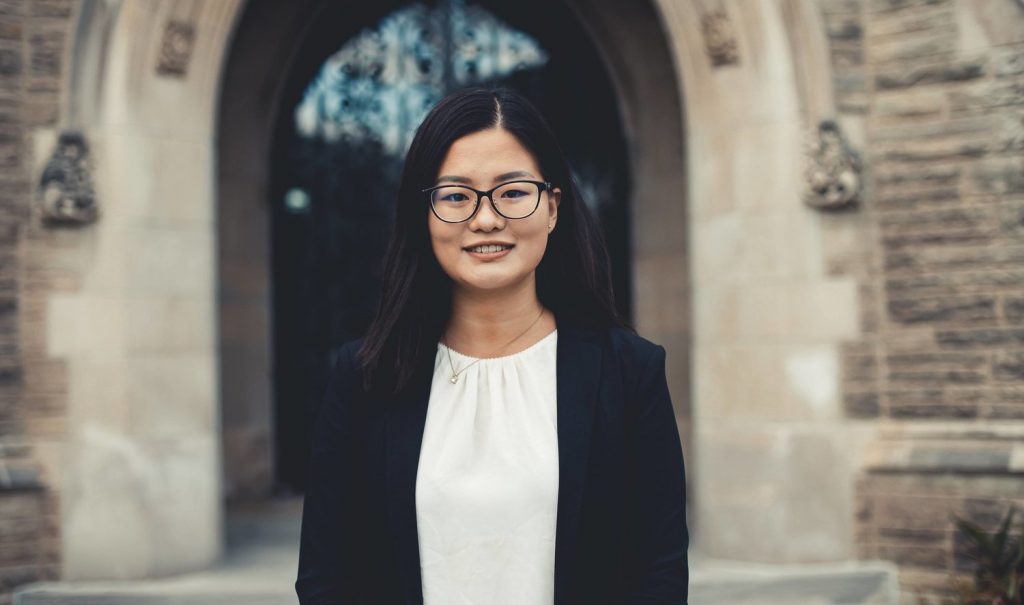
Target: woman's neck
x=483 y=323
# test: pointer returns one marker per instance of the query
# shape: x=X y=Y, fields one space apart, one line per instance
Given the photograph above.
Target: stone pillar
x=140 y=466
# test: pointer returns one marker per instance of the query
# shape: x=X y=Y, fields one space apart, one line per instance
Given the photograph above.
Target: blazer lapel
x=578 y=368
x=405 y=418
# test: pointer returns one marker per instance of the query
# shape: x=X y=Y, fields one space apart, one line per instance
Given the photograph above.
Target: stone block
x=749 y=502
x=913 y=48
x=98 y=393
x=953 y=284
x=932 y=403
x=899 y=236
x=966 y=309
x=248 y=466
x=843 y=27
x=660 y=289
x=878 y=6
x=52 y=9
x=79 y=325
x=953 y=258
x=923 y=18
x=993 y=459
x=165 y=324
x=913 y=555
x=1007 y=62
x=171 y=395
x=900 y=106
x=10 y=64
x=840 y=7
x=46 y=52
x=1008 y=365
x=777 y=383
x=137 y=507
x=859 y=368
x=987 y=95
x=20 y=505
x=979 y=218
x=10 y=29
x=861 y=405
x=997 y=176
x=897 y=177
x=158 y=182
x=936 y=377
x=1013 y=309
x=943 y=73
x=170 y=261
x=980 y=338
x=17 y=575
x=845 y=56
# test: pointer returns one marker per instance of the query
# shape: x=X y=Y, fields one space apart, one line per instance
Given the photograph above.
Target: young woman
x=498 y=437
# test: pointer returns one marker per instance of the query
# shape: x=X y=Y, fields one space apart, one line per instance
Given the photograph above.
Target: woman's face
x=483 y=160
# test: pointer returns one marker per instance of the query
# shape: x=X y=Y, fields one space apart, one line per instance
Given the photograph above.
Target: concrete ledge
x=714 y=582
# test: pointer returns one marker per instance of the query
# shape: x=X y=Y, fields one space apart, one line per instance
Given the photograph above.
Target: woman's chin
x=490 y=283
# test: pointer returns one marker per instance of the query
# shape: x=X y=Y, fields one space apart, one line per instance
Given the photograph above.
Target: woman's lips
x=489 y=256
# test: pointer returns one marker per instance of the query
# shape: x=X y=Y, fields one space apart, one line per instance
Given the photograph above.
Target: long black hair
x=573 y=277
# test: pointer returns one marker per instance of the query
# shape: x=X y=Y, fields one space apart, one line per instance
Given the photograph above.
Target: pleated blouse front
x=487 y=480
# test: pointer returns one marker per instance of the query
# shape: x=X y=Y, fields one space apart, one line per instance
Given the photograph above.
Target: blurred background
x=816 y=206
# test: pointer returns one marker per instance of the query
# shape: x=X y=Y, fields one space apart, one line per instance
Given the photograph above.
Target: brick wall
x=940 y=98
x=33 y=40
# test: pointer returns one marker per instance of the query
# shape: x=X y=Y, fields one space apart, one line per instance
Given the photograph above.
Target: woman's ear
x=553 y=200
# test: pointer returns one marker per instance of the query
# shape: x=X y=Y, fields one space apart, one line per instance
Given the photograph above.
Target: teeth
x=488 y=249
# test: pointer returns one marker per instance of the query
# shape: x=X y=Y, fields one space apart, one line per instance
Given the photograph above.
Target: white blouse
x=487 y=481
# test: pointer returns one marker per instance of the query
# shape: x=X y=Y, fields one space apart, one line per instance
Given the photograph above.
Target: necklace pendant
x=454 y=378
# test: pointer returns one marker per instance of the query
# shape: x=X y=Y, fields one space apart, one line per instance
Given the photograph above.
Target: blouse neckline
x=528 y=349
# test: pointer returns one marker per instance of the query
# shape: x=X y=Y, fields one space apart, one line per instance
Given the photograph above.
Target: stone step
x=716 y=582
x=731 y=584
x=262 y=558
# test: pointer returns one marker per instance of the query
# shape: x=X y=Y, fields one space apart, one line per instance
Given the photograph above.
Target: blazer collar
x=578 y=367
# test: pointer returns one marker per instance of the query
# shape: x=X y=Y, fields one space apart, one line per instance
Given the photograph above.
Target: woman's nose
x=486 y=219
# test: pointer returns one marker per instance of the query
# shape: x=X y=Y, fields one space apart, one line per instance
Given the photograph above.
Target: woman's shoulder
x=630 y=346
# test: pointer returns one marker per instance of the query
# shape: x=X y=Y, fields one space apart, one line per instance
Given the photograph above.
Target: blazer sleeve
x=660 y=572
x=327 y=571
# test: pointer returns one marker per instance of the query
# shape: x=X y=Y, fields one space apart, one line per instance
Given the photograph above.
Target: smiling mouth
x=489 y=249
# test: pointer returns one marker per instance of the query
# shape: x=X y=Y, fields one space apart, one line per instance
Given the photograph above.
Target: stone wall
x=33 y=40
x=938 y=88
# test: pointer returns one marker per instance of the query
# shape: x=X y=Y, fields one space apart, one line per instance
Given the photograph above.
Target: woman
x=498 y=436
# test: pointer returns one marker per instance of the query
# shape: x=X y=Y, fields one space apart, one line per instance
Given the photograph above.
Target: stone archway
x=255 y=72
x=183 y=258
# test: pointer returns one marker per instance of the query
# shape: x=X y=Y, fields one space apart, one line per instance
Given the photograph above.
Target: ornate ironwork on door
x=381 y=84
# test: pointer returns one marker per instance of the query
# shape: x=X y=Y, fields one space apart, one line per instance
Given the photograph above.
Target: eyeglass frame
x=542 y=186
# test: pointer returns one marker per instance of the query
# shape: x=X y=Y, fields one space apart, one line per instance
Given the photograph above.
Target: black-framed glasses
x=512 y=200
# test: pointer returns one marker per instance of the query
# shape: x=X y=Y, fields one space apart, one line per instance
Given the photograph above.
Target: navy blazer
x=621 y=535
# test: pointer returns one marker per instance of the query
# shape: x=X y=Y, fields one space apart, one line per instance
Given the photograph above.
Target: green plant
x=999 y=565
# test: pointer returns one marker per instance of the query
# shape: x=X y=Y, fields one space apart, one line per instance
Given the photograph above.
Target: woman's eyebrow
x=454 y=179
x=515 y=174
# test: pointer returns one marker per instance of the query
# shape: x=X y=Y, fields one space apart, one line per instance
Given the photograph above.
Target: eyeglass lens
x=454 y=203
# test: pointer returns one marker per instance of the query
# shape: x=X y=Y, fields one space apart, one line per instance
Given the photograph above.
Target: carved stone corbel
x=65 y=195
x=833 y=169
x=176 y=48
x=719 y=38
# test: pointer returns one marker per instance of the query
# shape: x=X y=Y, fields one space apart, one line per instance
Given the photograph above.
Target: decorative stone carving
x=65 y=188
x=833 y=169
x=176 y=48
x=719 y=38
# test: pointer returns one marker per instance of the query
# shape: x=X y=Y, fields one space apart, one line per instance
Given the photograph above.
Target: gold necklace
x=455 y=373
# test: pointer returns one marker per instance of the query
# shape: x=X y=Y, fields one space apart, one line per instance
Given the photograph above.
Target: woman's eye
x=454 y=197
x=513 y=193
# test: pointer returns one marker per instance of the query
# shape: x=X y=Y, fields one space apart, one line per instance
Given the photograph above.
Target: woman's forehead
x=486 y=156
